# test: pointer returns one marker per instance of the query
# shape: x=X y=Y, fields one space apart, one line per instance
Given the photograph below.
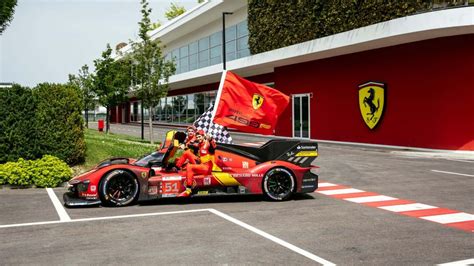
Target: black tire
x=118 y=188
x=278 y=184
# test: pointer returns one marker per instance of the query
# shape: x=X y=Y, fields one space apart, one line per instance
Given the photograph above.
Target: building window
x=180 y=109
x=208 y=50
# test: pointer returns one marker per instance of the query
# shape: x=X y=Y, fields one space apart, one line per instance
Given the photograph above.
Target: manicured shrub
x=44 y=120
x=17 y=122
x=16 y=173
x=59 y=123
x=48 y=171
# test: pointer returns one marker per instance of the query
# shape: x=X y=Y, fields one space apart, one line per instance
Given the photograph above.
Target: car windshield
x=145 y=159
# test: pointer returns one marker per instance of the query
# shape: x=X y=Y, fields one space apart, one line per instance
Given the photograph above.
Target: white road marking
x=216 y=212
x=324 y=184
x=451 y=173
x=272 y=238
x=407 y=207
x=340 y=191
x=370 y=199
x=102 y=218
x=450 y=218
x=459 y=263
x=63 y=216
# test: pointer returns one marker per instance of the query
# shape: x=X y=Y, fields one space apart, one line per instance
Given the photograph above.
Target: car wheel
x=118 y=188
x=278 y=184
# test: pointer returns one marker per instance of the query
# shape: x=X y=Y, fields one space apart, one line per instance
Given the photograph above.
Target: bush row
x=276 y=24
x=43 y=120
x=48 y=171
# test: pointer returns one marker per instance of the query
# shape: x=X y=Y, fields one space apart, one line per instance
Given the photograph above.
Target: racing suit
x=190 y=153
x=206 y=155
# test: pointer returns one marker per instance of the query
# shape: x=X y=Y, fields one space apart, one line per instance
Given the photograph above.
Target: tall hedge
x=43 y=120
x=17 y=123
x=59 y=122
x=274 y=24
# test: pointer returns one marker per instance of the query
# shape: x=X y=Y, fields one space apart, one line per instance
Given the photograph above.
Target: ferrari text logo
x=257 y=101
x=371 y=102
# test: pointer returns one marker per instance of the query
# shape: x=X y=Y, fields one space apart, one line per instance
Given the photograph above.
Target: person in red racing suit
x=207 y=147
x=190 y=146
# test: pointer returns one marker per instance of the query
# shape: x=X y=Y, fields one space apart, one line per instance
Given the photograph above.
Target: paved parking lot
x=324 y=227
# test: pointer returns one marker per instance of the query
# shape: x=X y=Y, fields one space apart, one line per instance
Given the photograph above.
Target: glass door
x=301 y=117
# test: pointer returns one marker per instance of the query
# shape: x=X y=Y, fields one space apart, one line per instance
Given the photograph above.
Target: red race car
x=278 y=169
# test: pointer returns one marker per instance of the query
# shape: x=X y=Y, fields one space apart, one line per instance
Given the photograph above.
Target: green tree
x=151 y=71
x=111 y=82
x=7 y=9
x=174 y=11
x=84 y=82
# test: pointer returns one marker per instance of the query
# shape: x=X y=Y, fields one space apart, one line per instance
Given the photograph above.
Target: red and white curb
x=448 y=217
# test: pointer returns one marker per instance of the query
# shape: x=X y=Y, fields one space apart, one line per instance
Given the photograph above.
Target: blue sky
x=49 y=39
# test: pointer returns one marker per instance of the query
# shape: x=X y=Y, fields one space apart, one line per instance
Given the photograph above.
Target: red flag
x=248 y=106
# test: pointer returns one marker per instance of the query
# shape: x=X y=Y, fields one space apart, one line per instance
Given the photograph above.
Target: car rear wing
x=298 y=152
x=302 y=154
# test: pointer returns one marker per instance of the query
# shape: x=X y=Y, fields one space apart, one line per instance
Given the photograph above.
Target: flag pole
x=218 y=96
x=223 y=38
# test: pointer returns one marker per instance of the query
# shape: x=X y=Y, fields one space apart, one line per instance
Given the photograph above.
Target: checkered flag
x=218 y=132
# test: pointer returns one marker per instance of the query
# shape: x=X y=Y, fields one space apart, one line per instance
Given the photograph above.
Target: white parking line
x=101 y=218
x=63 y=216
x=272 y=238
x=451 y=173
x=216 y=212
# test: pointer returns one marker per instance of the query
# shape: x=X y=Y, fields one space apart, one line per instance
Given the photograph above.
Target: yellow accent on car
x=226 y=179
x=207 y=158
x=307 y=154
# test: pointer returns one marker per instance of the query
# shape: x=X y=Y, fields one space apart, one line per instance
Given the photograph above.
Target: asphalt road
x=309 y=229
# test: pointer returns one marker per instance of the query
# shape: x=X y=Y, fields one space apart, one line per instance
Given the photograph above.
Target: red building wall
x=429 y=94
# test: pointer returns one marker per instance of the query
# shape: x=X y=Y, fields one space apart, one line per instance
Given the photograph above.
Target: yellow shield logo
x=257 y=101
x=372 y=102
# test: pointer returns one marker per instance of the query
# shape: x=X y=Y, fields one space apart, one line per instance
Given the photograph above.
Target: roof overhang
x=192 y=20
x=430 y=25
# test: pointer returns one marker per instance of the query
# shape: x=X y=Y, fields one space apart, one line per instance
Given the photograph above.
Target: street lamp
x=223 y=37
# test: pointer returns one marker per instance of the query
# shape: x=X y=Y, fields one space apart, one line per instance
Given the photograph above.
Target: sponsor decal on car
x=171 y=178
x=311 y=147
x=206 y=181
x=245 y=164
x=89 y=196
x=246 y=175
x=307 y=154
x=93 y=188
x=153 y=190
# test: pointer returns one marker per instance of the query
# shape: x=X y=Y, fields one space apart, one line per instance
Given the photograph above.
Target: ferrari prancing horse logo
x=372 y=102
x=257 y=101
